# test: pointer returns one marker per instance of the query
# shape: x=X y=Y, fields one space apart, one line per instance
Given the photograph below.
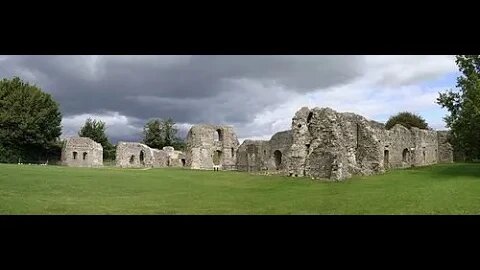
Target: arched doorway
x=142 y=157
x=406 y=155
x=217 y=157
x=183 y=162
x=278 y=159
x=386 y=159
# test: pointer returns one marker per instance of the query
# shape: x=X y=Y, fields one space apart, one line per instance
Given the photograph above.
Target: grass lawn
x=439 y=189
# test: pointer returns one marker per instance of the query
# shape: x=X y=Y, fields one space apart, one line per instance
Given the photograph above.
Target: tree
x=152 y=134
x=408 y=120
x=95 y=130
x=463 y=105
x=169 y=131
x=159 y=133
x=30 y=122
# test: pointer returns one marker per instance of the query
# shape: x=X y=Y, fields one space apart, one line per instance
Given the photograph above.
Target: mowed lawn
x=439 y=189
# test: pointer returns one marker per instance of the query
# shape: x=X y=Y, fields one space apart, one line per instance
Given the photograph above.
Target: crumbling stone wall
x=426 y=147
x=445 y=149
x=135 y=155
x=400 y=145
x=253 y=155
x=331 y=145
x=279 y=154
x=82 y=152
x=271 y=155
x=209 y=145
x=138 y=155
x=175 y=158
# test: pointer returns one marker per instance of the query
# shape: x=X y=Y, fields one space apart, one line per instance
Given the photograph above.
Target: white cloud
x=391 y=84
x=258 y=95
x=118 y=126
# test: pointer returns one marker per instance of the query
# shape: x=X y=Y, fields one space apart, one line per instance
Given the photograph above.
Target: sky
x=256 y=94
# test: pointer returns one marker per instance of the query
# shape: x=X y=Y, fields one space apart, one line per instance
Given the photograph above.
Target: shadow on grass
x=451 y=170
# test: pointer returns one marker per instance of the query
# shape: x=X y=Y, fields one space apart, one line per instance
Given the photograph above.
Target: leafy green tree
x=169 y=131
x=152 y=134
x=30 y=122
x=95 y=130
x=463 y=105
x=408 y=120
x=159 y=133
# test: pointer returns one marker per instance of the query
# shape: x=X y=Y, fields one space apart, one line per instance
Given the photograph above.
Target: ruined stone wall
x=253 y=155
x=400 y=145
x=278 y=156
x=175 y=158
x=82 y=152
x=331 y=145
x=260 y=155
x=160 y=158
x=445 y=149
x=134 y=155
x=210 y=144
x=129 y=156
x=322 y=143
x=426 y=147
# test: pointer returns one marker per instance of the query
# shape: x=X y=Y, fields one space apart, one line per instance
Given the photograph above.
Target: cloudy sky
x=258 y=95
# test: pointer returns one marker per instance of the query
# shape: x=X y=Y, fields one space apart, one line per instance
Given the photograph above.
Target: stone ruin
x=322 y=144
x=139 y=155
x=326 y=144
x=259 y=155
x=82 y=152
x=211 y=145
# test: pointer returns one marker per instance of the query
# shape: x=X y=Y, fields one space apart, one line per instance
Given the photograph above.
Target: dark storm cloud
x=182 y=85
x=190 y=89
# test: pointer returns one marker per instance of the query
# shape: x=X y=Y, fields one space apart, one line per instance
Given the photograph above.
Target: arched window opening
x=75 y=155
x=84 y=155
x=233 y=152
x=218 y=135
x=132 y=159
x=142 y=157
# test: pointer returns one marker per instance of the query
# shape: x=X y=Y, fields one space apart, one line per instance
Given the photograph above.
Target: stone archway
x=406 y=155
x=278 y=159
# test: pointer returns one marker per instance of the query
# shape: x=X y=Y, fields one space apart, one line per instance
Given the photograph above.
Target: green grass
x=439 y=189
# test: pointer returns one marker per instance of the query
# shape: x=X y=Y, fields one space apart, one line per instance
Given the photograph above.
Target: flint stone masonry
x=139 y=155
x=82 y=152
x=337 y=145
x=325 y=144
x=175 y=158
x=445 y=149
x=211 y=145
x=271 y=155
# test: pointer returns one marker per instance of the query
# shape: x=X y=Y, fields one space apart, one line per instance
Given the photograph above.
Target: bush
x=408 y=120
